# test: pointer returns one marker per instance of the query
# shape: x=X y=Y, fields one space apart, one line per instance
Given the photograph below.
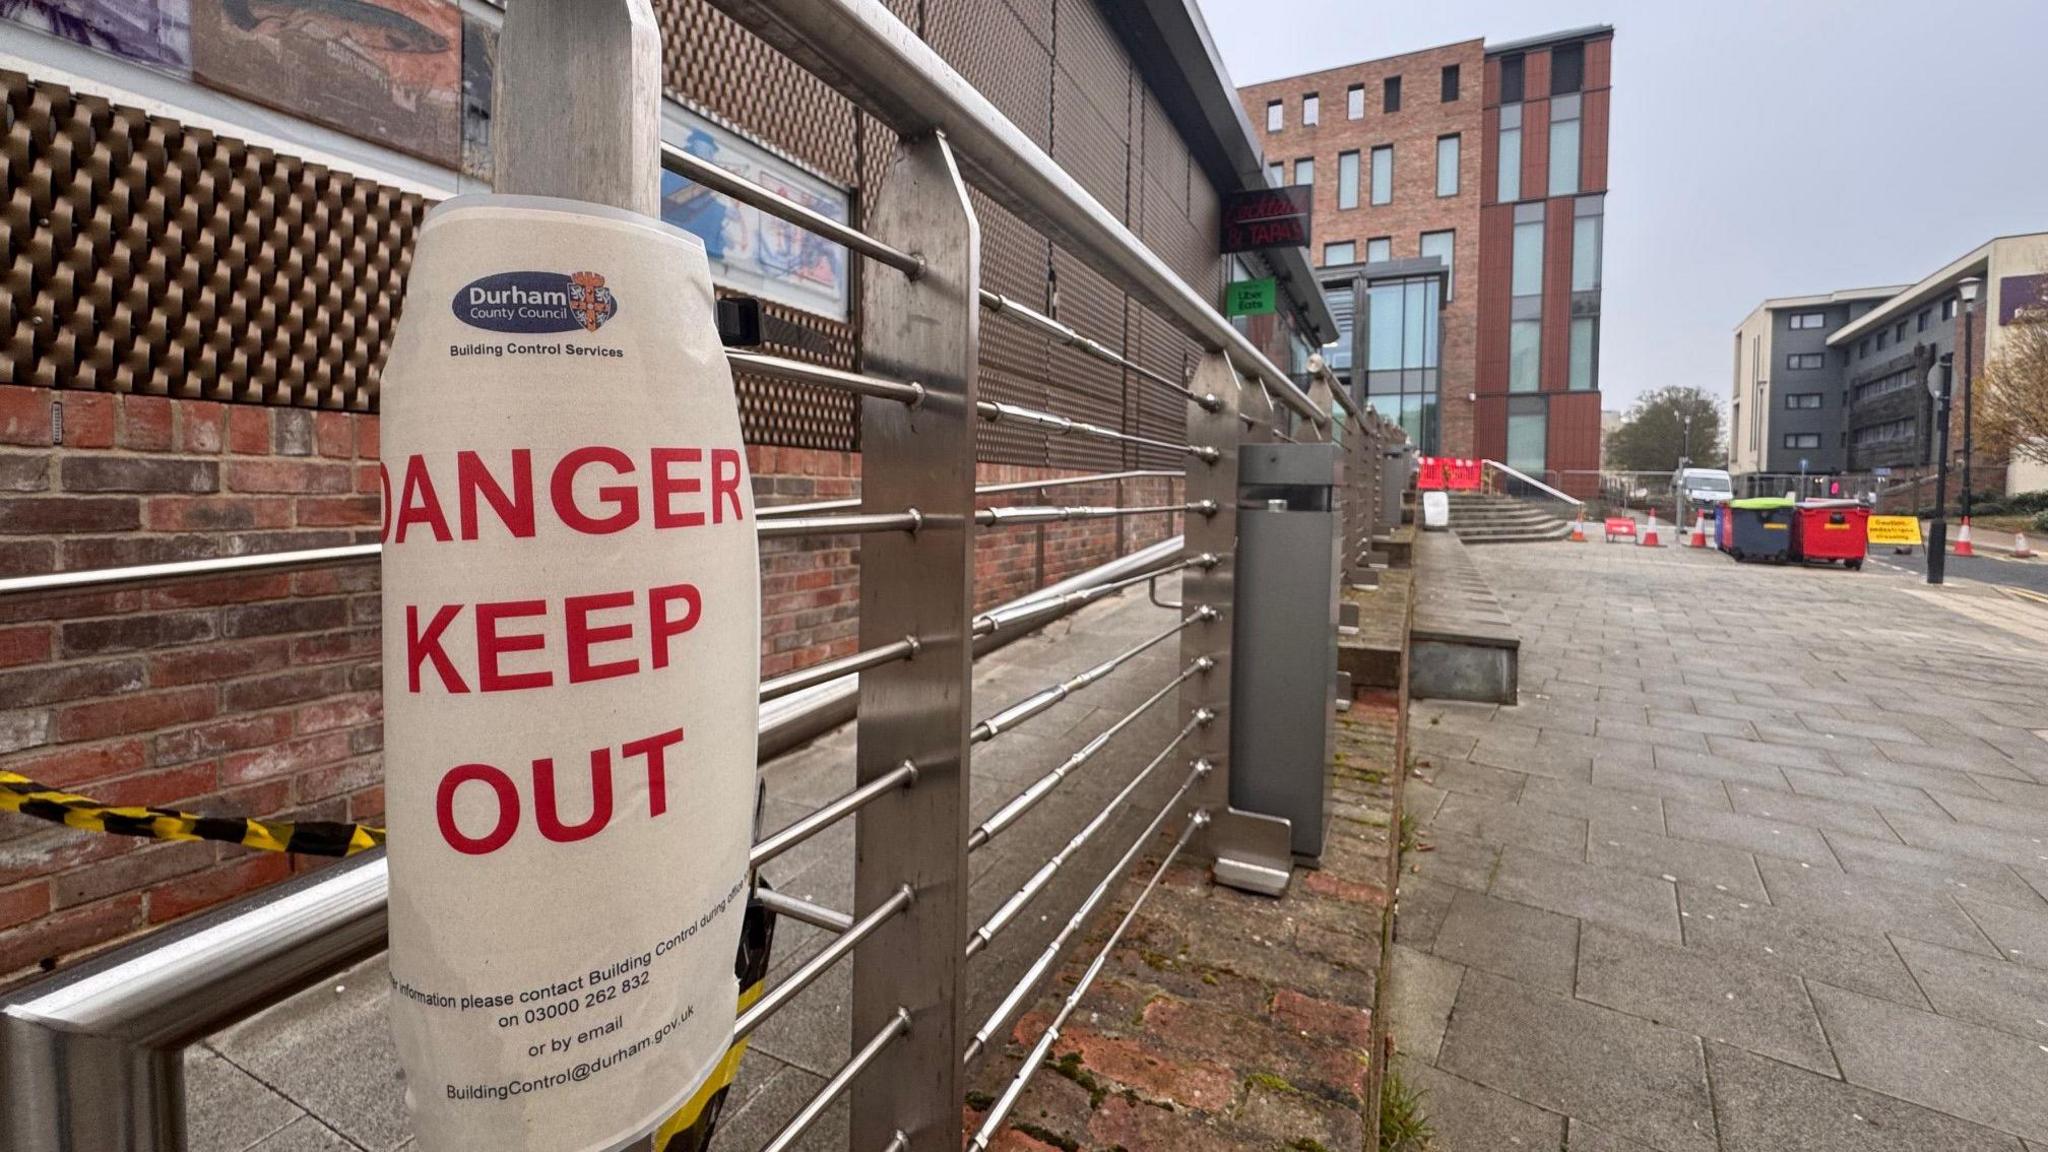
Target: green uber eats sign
x=1251 y=297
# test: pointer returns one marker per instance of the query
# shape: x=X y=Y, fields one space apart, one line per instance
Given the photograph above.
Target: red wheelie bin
x=1829 y=530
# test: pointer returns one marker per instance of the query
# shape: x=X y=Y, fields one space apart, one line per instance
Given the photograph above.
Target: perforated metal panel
x=709 y=60
x=1083 y=386
x=1014 y=359
x=144 y=256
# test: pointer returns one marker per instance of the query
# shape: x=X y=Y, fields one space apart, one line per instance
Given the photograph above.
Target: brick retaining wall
x=259 y=694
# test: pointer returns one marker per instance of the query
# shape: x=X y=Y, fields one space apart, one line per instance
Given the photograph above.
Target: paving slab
x=1949 y=836
x=1872 y=904
x=1418 y=1007
x=1991 y=1078
x=1711 y=866
x=1765 y=1106
x=228 y=1110
x=1583 y=1137
x=1633 y=903
x=1615 y=1070
x=1468 y=1117
x=1796 y=943
x=1709 y=994
x=1853 y=817
x=1758 y=834
x=1849 y=787
x=1925 y=868
x=1996 y=993
x=2019 y=934
x=1578 y=799
x=1509 y=939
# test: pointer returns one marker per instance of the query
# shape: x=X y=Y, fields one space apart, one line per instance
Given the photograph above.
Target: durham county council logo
x=535 y=302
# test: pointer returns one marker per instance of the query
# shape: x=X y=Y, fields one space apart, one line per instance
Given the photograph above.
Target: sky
x=1757 y=148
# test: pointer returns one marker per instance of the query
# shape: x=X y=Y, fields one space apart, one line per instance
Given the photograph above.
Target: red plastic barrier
x=1449 y=473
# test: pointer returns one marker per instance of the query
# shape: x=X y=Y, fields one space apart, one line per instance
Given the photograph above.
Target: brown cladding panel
x=1599 y=62
x=1091 y=53
x=1536 y=74
x=1489 y=152
x=1535 y=148
x=1165 y=157
x=1593 y=145
x=1490 y=427
x=1557 y=294
x=1014 y=359
x=1492 y=81
x=1573 y=438
x=1496 y=255
x=1082 y=386
x=994 y=50
x=1093 y=149
x=709 y=60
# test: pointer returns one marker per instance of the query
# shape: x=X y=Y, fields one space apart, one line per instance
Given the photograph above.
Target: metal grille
x=1082 y=386
x=1015 y=360
x=145 y=256
x=998 y=53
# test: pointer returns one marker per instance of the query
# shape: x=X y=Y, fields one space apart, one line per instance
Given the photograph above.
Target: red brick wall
x=259 y=694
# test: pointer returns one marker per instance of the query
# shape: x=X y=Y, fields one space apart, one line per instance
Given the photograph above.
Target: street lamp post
x=1967 y=289
x=1937 y=532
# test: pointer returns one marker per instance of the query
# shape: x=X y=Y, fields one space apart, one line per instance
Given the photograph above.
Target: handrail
x=1530 y=480
x=866 y=52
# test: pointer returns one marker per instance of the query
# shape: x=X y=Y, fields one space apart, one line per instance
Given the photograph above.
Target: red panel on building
x=1599 y=62
x=1573 y=447
x=1557 y=294
x=1593 y=143
x=1496 y=254
x=1535 y=147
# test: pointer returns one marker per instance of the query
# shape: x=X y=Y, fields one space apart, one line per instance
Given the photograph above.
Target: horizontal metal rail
x=1050 y=514
x=1004 y=306
x=783 y=904
x=993 y=1122
x=907 y=521
x=824 y=670
x=820 y=964
x=897 y=1027
x=865 y=51
x=214 y=566
x=1040 y=788
x=813 y=507
x=769 y=847
x=1045 y=698
x=995 y=411
x=804 y=372
x=1031 y=608
x=1014 y=998
x=1001 y=917
x=702 y=171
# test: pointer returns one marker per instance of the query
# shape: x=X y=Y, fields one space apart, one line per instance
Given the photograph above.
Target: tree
x=1653 y=435
x=2012 y=396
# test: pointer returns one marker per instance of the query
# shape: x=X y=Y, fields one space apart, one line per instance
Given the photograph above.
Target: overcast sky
x=1759 y=147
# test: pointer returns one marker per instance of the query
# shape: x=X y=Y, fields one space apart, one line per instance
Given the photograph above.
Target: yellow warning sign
x=1897 y=530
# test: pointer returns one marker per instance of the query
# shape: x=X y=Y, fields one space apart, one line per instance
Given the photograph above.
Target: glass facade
x=1585 y=368
x=1586 y=254
x=1564 y=146
x=1404 y=326
x=1528 y=421
x=1528 y=266
x=1508 y=188
x=1525 y=355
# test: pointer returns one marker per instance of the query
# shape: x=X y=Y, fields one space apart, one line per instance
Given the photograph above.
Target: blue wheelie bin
x=1759 y=528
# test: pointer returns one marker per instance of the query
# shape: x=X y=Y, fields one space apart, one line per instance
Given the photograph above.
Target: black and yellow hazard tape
x=20 y=794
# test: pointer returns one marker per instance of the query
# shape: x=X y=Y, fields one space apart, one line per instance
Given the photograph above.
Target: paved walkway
x=318 y=1073
x=1760 y=862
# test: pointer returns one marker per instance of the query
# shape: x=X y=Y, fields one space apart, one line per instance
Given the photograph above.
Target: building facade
x=1827 y=385
x=206 y=256
x=1786 y=412
x=1492 y=160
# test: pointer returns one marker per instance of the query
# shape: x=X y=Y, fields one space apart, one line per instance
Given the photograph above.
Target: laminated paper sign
x=571 y=673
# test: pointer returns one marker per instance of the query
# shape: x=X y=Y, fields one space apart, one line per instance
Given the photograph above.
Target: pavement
x=1758 y=862
x=318 y=1072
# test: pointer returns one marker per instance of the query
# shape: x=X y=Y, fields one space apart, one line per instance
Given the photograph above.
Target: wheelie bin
x=1830 y=530
x=1759 y=528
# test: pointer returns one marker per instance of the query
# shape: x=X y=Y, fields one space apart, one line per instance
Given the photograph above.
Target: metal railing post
x=917 y=711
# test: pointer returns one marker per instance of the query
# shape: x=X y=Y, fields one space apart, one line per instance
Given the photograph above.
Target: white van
x=1705 y=486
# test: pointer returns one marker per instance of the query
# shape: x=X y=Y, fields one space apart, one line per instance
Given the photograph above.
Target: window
x=1885 y=386
x=1379 y=250
x=1444 y=246
x=1802 y=439
x=1805 y=362
x=1925 y=313
x=1890 y=432
x=1390 y=94
x=1511 y=71
x=1447 y=166
x=1450 y=84
x=1586 y=253
x=1528 y=430
x=1525 y=355
x=1305 y=171
x=1882 y=337
x=1585 y=354
x=1403 y=330
x=1311 y=109
x=1567 y=69
x=1863 y=348
x=1383 y=174
x=1948 y=308
x=1809 y=320
x=1794 y=401
x=1527 y=274
x=1354 y=102
x=1509 y=186
x=1345 y=252
x=1564 y=145
x=1347 y=179
x=1899 y=332
x=1276 y=115
x=1276 y=174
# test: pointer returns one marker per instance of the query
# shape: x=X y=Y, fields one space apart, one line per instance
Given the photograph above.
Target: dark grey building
x=1788 y=413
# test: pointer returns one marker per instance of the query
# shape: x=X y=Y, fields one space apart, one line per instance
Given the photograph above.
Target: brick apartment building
x=203 y=269
x=1466 y=181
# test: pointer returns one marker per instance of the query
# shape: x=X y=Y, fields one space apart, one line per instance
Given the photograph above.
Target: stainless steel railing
x=93 y=1057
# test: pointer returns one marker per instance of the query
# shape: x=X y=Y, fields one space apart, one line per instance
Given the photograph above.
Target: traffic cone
x=1650 y=533
x=1699 y=532
x=1963 y=545
x=2020 y=551
x=1579 y=527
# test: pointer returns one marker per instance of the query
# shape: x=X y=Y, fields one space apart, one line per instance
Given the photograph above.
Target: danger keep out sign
x=571 y=675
